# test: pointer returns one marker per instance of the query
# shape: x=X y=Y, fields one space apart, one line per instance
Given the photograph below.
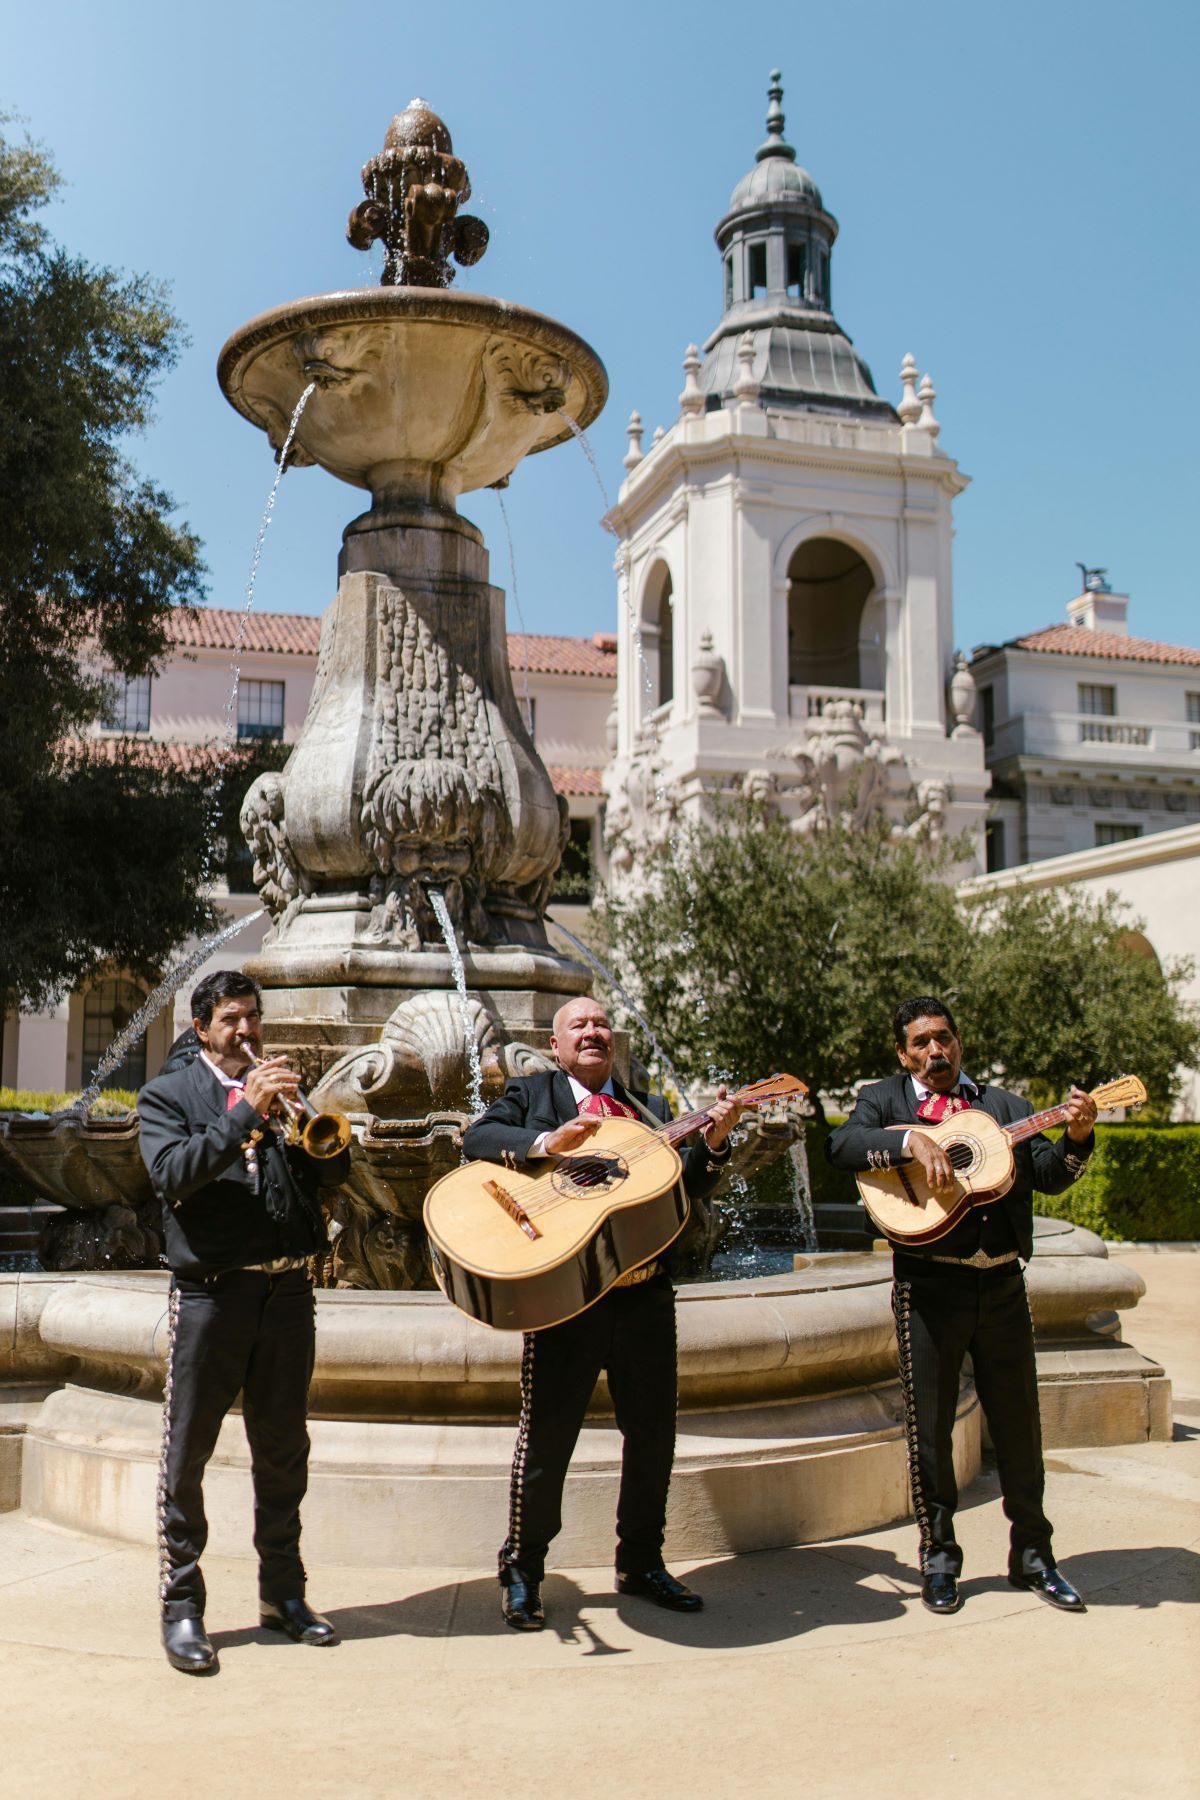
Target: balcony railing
x=811 y=702
x=1087 y=736
x=1093 y=730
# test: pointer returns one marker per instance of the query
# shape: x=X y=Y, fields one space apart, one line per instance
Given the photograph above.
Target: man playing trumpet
x=241 y=1213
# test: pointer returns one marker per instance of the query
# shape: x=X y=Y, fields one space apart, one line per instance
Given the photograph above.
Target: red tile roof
x=298 y=634
x=216 y=628
x=157 y=752
x=1081 y=640
x=579 y=783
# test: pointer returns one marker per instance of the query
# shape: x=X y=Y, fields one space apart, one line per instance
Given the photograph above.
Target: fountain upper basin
x=421 y=395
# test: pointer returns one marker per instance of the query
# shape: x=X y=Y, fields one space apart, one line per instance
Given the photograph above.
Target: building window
x=1193 y=709
x=128 y=707
x=728 y=282
x=527 y=706
x=666 y=647
x=107 y=1009
x=260 y=709
x=1099 y=701
x=987 y=703
x=796 y=271
x=994 y=844
x=758 y=270
x=822 y=283
x=1107 y=833
x=575 y=879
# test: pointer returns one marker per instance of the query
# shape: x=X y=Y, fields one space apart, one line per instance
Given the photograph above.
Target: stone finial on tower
x=634 y=455
x=659 y=435
x=692 y=401
x=774 y=144
x=909 y=408
x=927 y=394
x=746 y=388
x=961 y=693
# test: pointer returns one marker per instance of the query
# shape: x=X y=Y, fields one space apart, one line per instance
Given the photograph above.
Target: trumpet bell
x=325 y=1135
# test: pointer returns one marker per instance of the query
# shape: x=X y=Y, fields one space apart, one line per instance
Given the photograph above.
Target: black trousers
x=245 y=1331
x=630 y=1336
x=942 y=1315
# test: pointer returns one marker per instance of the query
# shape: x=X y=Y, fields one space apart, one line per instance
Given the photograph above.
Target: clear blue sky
x=1015 y=185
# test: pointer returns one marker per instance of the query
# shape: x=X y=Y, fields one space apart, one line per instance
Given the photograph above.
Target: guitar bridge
x=512 y=1207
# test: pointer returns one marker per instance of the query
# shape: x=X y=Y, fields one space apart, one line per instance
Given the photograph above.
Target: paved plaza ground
x=813 y=1671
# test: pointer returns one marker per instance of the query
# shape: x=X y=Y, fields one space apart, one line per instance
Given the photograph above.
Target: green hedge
x=1143 y=1182
x=113 y=1103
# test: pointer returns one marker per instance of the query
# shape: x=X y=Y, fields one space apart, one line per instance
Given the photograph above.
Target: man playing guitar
x=966 y=1293
x=629 y=1333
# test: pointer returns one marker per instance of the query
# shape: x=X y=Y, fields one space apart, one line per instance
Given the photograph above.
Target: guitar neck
x=677 y=1129
x=1042 y=1121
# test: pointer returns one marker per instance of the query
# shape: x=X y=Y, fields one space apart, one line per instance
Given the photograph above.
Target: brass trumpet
x=320 y=1135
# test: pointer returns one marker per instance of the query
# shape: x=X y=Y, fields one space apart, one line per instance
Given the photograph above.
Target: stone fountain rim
x=421 y=305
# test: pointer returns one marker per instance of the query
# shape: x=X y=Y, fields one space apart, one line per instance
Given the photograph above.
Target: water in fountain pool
x=474 y=1066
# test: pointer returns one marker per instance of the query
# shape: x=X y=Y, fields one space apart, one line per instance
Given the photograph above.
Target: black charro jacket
x=215 y=1213
x=532 y=1104
x=864 y=1142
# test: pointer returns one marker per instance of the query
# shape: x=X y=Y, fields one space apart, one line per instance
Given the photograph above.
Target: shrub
x=111 y=1104
x=1143 y=1182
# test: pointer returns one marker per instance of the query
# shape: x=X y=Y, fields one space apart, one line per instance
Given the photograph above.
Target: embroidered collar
x=964 y=1081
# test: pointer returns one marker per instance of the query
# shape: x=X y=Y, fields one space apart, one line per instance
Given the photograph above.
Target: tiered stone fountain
x=414 y=787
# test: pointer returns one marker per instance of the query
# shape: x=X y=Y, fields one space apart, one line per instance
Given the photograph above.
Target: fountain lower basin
x=790 y=1428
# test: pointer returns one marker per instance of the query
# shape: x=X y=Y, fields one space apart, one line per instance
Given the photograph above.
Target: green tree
x=753 y=949
x=100 y=852
x=1060 y=988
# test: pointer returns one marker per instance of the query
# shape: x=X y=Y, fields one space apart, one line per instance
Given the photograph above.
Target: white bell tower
x=785 y=560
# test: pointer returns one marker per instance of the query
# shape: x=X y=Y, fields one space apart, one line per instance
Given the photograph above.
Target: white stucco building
x=785 y=556
x=1092 y=736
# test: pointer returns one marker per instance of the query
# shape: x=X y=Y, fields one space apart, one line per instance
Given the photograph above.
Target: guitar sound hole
x=576 y=1175
x=961 y=1155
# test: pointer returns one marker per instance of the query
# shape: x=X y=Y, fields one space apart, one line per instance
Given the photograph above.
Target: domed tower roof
x=776 y=243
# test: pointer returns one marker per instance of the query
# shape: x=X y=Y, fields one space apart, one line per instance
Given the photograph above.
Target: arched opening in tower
x=829 y=586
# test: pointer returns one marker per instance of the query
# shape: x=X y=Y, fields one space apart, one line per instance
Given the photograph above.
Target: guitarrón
x=523 y=1250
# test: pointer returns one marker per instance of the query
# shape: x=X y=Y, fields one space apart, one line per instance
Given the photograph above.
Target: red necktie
x=232 y=1096
x=936 y=1107
x=605 y=1106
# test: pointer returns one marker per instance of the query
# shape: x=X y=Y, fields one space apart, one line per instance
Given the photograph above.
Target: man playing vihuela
x=629 y=1334
x=965 y=1294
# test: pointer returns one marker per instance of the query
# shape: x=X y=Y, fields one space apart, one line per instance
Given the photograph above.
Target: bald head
x=582 y=1042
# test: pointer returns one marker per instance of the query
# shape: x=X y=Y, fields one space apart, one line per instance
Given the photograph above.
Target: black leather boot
x=188 y=1647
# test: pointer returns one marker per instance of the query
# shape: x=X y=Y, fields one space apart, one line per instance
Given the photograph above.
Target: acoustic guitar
x=520 y=1250
x=904 y=1206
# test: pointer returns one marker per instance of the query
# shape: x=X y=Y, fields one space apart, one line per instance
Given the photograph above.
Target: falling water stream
x=666 y=1067
x=475 y=1095
x=512 y=582
x=581 y=439
x=167 y=988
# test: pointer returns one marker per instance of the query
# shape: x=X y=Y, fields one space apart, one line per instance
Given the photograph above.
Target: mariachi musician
x=629 y=1333
x=965 y=1293
x=241 y=1214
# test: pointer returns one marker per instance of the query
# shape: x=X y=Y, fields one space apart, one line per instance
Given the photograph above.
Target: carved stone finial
x=746 y=388
x=692 y=401
x=927 y=394
x=414 y=188
x=659 y=435
x=634 y=455
x=774 y=144
x=961 y=692
x=909 y=407
x=708 y=678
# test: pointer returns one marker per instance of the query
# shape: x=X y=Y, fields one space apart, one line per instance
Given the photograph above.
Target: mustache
x=937 y=1062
